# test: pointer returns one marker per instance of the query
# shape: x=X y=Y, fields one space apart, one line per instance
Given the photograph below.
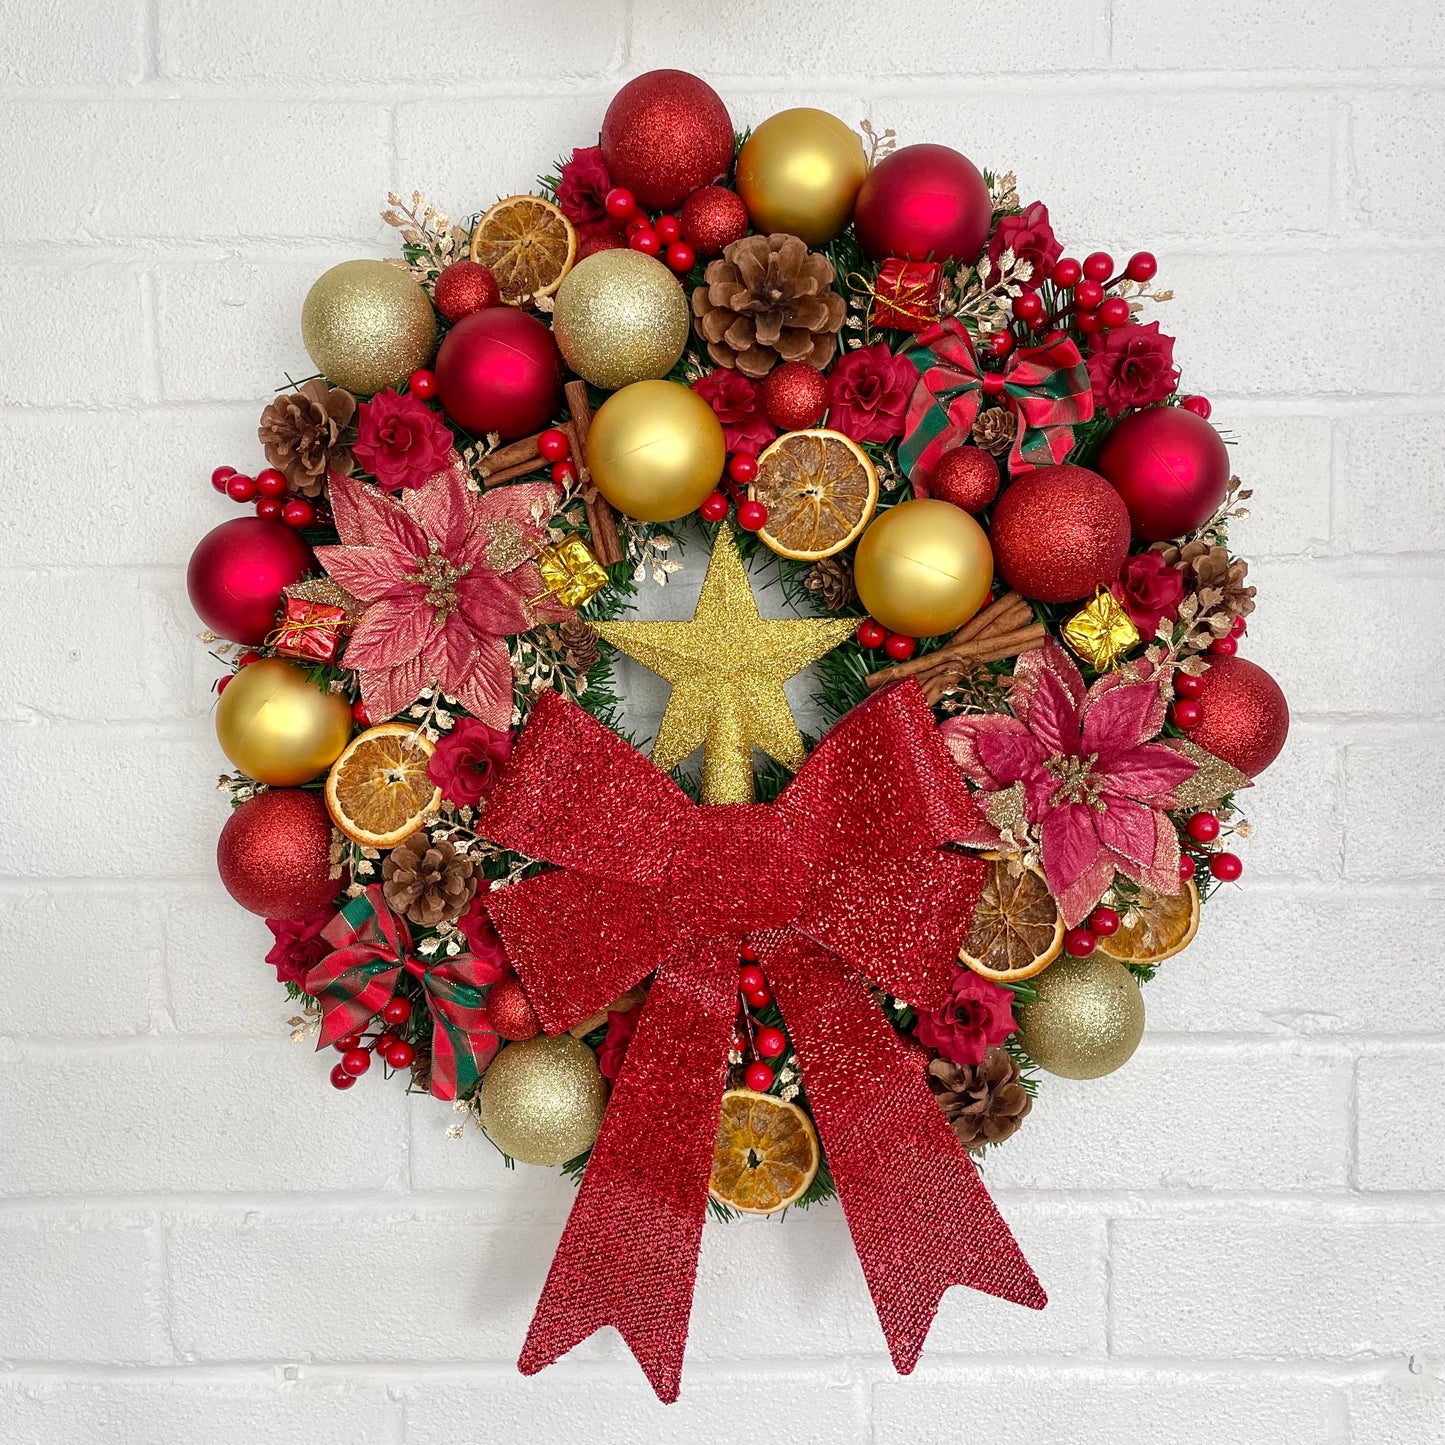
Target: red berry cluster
x=762 y=1041
x=1188 y=712
x=554 y=446
x=356 y=1049
x=1081 y=942
x=897 y=645
x=1203 y=830
x=742 y=472
x=267 y=489
x=661 y=237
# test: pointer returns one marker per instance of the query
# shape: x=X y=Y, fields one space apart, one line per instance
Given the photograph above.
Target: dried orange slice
x=766 y=1153
x=378 y=791
x=1017 y=929
x=820 y=489
x=1155 y=926
x=527 y=244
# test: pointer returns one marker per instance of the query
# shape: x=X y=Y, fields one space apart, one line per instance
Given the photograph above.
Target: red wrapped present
x=906 y=294
x=317 y=618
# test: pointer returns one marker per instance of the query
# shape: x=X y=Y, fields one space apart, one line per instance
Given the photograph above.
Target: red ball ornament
x=713 y=217
x=1186 y=867
x=274 y=854
x=1170 y=467
x=1058 y=533
x=511 y=1011
x=795 y=396
x=237 y=572
x=665 y=134
x=499 y=370
x=1246 y=717
x=599 y=241
x=464 y=287
x=924 y=202
x=967 y=477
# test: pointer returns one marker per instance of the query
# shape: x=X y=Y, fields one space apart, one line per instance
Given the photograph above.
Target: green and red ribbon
x=1046 y=387
x=371 y=949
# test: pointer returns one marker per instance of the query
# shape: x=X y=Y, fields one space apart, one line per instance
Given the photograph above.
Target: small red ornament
x=298 y=513
x=665 y=134
x=771 y=1042
x=1224 y=646
x=222 y=683
x=356 y=1062
x=464 y=287
x=759 y=997
x=340 y=1079
x=646 y=240
x=1089 y=322
x=668 y=228
x=1238 y=627
x=1142 y=266
x=564 y=471
x=271 y=483
x=713 y=217
x=1225 y=866
x=1066 y=273
x=1246 y=717
x=400 y=1055
x=396 y=1012
x=759 y=1078
x=1079 y=942
x=346 y=1043
x=599 y=240
x=1170 y=467
x=871 y=635
x=1199 y=405
x=1028 y=306
x=1098 y=266
x=1103 y=923
x=1186 y=867
x=1114 y=311
x=749 y=954
x=742 y=468
x=1000 y=344
x=359 y=714
x=274 y=854
x=1088 y=294
x=752 y=516
x=1059 y=533
x=221 y=476
x=924 y=203
x=795 y=396
x=1186 y=714
x=750 y=979
x=620 y=204
x=680 y=257
x=714 y=507
x=499 y=370
x=269 y=509
x=967 y=476
x=422 y=384
x=511 y=1011
x=1203 y=827
x=553 y=445
x=240 y=488
x=899 y=646
x=237 y=572
x=1188 y=684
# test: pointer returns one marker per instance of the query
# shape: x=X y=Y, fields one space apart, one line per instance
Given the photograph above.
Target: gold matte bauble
x=620 y=317
x=542 y=1100
x=1087 y=1020
x=800 y=172
x=923 y=567
x=367 y=325
x=278 y=727
x=655 y=450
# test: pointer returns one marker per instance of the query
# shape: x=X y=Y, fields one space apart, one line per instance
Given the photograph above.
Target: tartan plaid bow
x=371 y=950
x=1046 y=387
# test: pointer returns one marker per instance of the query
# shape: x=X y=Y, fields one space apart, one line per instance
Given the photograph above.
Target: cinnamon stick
x=510 y=459
x=601 y=521
x=998 y=618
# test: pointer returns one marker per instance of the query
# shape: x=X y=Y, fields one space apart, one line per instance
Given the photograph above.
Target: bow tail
x=628 y=1257
x=920 y=1216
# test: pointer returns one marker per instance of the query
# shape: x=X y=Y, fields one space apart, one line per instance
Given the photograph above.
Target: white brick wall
x=1243 y=1233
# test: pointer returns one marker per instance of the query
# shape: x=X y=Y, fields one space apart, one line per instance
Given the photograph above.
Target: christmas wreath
x=873 y=375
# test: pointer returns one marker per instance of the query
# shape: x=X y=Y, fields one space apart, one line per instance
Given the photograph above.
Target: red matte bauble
x=665 y=134
x=464 y=287
x=924 y=202
x=237 y=572
x=274 y=854
x=1246 y=717
x=499 y=371
x=795 y=396
x=511 y=1011
x=967 y=477
x=1058 y=533
x=713 y=217
x=1171 y=468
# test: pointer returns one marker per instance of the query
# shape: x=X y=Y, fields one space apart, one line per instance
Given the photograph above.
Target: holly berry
x=1226 y=867
x=222 y=683
x=1199 y=405
x=1079 y=942
x=400 y=1055
x=668 y=228
x=221 y=476
x=271 y=483
x=552 y=445
x=1224 y=646
x=1103 y=923
x=1098 y=265
x=1088 y=294
x=346 y=1043
x=637 y=223
x=240 y=488
x=362 y=718
x=1188 y=684
x=340 y=1079
x=1142 y=266
x=298 y=513
x=714 y=507
x=1186 y=867
x=1203 y=827
x=1114 y=311
x=647 y=241
x=397 y=1011
x=750 y=978
x=871 y=634
x=759 y=997
x=1237 y=627
x=620 y=204
x=752 y=516
x=748 y=953
x=564 y=471
x=759 y=1078
x=1001 y=343
x=1028 y=306
x=899 y=646
x=1066 y=273
x=247 y=658
x=771 y=1042
x=743 y=468
x=422 y=383
x=1186 y=713
x=1089 y=322
x=356 y=1061
x=681 y=257
x=269 y=509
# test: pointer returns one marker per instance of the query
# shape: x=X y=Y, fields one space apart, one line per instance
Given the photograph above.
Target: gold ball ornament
x=655 y=450
x=367 y=325
x=278 y=727
x=1088 y=1018
x=800 y=171
x=542 y=1100
x=923 y=567
x=620 y=317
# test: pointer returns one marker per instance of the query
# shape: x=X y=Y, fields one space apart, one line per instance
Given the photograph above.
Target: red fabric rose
x=1132 y=366
x=613 y=1049
x=400 y=440
x=582 y=189
x=482 y=941
x=299 y=946
x=868 y=393
x=464 y=765
x=976 y=1016
x=1149 y=590
x=1031 y=238
x=738 y=402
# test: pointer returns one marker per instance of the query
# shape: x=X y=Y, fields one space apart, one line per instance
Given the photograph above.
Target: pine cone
x=769 y=299
x=578 y=643
x=985 y=1103
x=831 y=582
x=993 y=430
x=1215 y=585
x=427 y=882
x=300 y=433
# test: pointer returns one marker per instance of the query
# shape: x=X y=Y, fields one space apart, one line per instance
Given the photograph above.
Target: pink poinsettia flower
x=1092 y=780
x=445 y=574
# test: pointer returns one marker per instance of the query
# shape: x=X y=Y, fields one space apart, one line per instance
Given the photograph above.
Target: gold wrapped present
x=570 y=572
x=1101 y=632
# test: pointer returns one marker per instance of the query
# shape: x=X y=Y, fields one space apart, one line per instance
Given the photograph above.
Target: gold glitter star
x=727 y=668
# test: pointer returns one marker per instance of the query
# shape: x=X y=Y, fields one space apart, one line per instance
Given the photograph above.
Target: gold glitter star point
x=727 y=667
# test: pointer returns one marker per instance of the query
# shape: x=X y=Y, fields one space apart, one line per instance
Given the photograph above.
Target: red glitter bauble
x=1171 y=468
x=967 y=477
x=1058 y=533
x=599 y=240
x=511 y=1011
x=1246 y=717
x=499 y=371
x=924 y=202
x=795 y=395
x=237 y=572
x=274 y=854
x=713 y=218
x=665 y=134
x=464 y=287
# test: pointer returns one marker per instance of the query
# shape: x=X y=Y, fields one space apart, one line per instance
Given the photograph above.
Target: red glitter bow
x=846 y=879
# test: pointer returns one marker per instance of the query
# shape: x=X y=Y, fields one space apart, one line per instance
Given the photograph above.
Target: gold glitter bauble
x=923 y=567
x=278 y=727
x=620 y=317
x=542 y=1100
x=655 y=450
x=727 y=668
x=800 y=172
x=1088 y=1019
x=367 y=325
